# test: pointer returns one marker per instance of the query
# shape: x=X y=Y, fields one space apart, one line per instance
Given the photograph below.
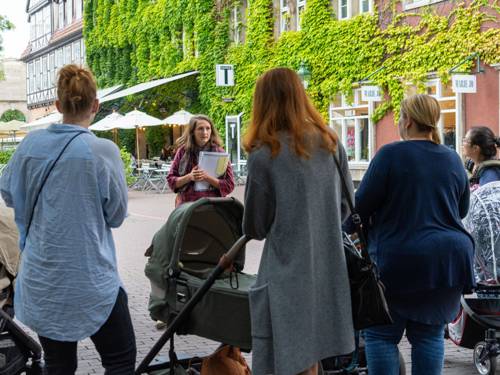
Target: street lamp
x=304 y=74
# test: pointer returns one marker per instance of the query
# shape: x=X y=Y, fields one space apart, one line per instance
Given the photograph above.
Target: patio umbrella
x=136 y=119
x=11 y=126
x=181 y=117
x=109 y=122
x=43 y=122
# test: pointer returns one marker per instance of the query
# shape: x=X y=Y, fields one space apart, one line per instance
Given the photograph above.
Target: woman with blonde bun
x=412 y=200
x=68 y=190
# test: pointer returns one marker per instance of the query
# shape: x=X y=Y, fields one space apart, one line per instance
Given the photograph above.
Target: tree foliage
x=130 y=41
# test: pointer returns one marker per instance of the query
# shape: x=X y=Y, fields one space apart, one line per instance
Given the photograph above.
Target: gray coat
x=300 y=305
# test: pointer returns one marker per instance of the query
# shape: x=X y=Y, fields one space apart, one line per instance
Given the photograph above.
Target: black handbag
x=369 y=306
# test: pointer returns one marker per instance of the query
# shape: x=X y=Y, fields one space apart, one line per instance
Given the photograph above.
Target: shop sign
x=371 y=94
x=224 y=75
x=464 y=83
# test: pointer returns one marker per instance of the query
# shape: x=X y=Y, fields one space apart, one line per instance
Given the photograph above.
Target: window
x=69 y=12
x=61 y=15
x=76 y=52
x=284 y=16
x=350 y=118
x=82 y=56
x=301 y=7
x=412 y=4
x=38 y=72
x=449 y=113
x=45 y=73
x=52 y=69
x=365 y=6
x=78 y=9
x=47 y=27
x=344 y=9
x=67 y=54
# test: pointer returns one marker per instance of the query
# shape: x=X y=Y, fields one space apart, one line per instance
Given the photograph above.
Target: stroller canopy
x=483 y=223
x=195 y=237
x=9 y=241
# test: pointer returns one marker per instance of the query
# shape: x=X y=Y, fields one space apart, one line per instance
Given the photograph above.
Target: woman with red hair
x=300 y=305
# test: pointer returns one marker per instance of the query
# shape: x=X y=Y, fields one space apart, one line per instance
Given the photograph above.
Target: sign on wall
x=371 y=94
x=224 y=74
x=464 y=83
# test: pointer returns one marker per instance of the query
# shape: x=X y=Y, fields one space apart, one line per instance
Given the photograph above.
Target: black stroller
x=478 y=327
x=19 y=353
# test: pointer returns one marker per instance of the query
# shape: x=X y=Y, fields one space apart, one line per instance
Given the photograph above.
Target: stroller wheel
x=485 y=363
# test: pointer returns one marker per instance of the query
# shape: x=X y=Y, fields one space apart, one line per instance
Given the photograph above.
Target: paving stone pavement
x=147 y=213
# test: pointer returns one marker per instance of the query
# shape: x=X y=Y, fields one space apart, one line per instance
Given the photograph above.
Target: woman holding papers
x=300 y=305
x=186 y=178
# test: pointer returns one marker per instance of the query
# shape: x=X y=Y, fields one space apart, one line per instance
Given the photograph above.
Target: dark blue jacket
x=414 y=194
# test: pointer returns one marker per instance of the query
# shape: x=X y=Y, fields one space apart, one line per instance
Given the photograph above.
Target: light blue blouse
x=68 y=279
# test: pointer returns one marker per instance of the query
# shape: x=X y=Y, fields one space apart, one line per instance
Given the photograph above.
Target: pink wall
x=386 y=131
x=481 y=108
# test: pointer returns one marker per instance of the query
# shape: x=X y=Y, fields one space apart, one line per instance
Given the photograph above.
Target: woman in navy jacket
x=413 y=196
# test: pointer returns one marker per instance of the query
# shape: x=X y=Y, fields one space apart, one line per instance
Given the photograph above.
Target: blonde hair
x=76 y=90
x=424 y=111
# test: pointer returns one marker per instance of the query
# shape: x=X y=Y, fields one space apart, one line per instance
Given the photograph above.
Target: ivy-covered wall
x=130 y=41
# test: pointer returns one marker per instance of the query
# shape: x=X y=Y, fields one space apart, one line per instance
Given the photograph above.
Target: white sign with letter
x=371 y=94
x=224 y=75
x=464 y=83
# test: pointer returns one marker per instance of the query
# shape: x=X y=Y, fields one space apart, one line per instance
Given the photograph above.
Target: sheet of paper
x=214 y=163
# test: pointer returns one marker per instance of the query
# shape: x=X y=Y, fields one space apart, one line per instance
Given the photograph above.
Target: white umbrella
x=11 y=126
x=109 y=122
x=43 y=122
x=136 y=119
x=181 y=117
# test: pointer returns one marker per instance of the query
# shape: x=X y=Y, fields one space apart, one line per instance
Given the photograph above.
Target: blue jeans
x=427 y=347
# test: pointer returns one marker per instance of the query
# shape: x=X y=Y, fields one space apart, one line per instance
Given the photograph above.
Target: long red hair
x=280 y=103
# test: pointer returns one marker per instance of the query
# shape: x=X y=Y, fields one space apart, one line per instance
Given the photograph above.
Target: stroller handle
x=227 y=259
x=225 y=262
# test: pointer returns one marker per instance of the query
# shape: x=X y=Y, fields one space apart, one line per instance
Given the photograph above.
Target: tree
x=12 y=114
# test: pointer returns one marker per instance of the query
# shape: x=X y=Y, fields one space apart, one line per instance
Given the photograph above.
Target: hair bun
x=497 y=141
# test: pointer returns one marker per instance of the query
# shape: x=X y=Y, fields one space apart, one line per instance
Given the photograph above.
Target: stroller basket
x=182 y=255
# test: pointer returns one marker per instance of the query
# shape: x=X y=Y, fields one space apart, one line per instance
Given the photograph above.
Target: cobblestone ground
x=147 y=212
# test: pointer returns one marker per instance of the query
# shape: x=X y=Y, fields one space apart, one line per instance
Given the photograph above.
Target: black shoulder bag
x=369 y=306
x=45 y=180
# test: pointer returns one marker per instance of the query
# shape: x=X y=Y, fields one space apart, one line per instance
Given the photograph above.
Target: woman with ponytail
x=480 y=145
x=412 y=199
x=67 y=188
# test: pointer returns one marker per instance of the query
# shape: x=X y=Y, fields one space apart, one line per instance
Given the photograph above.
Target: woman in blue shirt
x=414 y=195
x=480 y=145
x=68 y=287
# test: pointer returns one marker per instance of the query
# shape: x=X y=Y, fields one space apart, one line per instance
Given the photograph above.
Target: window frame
x=348 y=10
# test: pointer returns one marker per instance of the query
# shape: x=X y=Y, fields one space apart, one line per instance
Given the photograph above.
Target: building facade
x=351 y=117
x=55 y=40
x=12 y=87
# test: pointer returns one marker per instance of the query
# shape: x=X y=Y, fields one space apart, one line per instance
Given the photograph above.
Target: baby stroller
x=194 y=288
x=478 y=324
x=19 y=353
x=195 y=267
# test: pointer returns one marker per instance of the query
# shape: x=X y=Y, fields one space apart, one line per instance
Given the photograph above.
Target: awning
x=146 y=86
x=107 y=91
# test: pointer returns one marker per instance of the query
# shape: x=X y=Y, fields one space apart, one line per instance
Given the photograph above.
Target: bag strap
x=45 y=180
x=356 y=219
